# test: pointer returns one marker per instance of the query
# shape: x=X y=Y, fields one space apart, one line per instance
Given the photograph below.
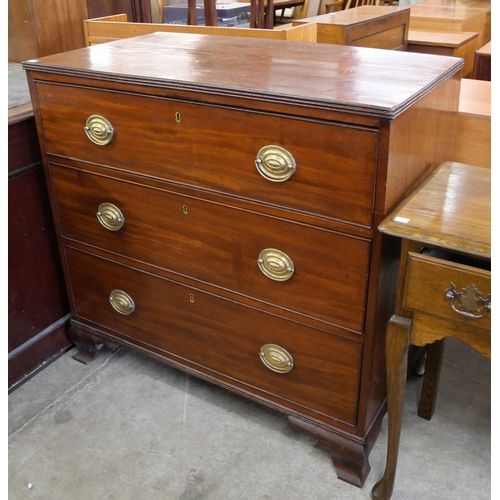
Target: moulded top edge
x=368 y=81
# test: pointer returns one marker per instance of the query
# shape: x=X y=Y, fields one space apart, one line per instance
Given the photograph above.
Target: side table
x=444 y=285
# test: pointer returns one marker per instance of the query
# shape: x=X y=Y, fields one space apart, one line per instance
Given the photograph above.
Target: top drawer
x=448 y=290
x=216 y=148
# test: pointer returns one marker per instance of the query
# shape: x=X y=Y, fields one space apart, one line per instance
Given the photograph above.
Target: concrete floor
x=129 y=427
x=19 y=93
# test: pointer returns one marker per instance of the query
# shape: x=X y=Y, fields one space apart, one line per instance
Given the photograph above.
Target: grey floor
x=129 y=427
x=18 y=86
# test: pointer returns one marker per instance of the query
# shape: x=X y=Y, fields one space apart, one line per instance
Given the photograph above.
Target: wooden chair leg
x=430 y=382
x=270 y=20
x=192 y=18
x=210 y=13
x=397 y=343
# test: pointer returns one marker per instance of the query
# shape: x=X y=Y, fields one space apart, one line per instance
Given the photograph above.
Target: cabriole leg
x=397 y=342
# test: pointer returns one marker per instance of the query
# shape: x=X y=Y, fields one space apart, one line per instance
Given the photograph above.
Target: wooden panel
x=37 y=302
x=22 y=41
x=58 y=27
x=473 y=145
x=37 y=295
x=473 y=140
x=391 y=38
x=220 y=145
x=209 y=332
x=330 y=269
x=426 y=329
x=434 y=120
x=116 y=27
x=42 y=27
x=100 y=8
x=482 y=63
x=23 y=144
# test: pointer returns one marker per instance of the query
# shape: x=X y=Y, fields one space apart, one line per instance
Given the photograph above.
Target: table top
x=452 y=13
x=451 y=209
x=479 y=4
x=440 y=39
x=352 y=16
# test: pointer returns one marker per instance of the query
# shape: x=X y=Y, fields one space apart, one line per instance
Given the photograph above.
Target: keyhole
x=178 y=117
x=185 y=209
x=191 y=297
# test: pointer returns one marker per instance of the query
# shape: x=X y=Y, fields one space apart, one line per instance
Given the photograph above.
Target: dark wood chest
x=217 y=200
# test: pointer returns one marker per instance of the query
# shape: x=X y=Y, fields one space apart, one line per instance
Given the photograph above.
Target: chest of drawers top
x=362 y=81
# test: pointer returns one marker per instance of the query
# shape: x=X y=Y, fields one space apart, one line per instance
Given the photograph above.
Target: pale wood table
x=452 y=17
x=444 y=286
x=455 y=44
x=369 y=26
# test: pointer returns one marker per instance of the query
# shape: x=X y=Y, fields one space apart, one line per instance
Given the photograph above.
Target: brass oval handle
x=99 y=130
x=275 y=163
x=469 y=303
x=122 y=302
x=110 y=216
x=275 y=264
x=276 y=358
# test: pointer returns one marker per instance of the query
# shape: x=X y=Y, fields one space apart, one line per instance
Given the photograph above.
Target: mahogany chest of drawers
x=216 y=202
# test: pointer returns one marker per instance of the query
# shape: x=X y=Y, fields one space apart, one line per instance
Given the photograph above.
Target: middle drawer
x=311 y=271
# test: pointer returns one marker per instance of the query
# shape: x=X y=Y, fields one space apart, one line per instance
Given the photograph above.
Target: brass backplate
x=275 y=163
x=110 y=216
x=276 y=358
x=122 y=302
x=99 y=130
x=275 y=264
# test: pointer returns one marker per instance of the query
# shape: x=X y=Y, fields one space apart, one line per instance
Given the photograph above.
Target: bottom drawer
x=225 y=339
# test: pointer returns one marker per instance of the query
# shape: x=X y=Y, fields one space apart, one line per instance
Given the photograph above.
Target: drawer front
x=428 y=280
x=216 y=148
x=221 y=245
x=220 y=336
